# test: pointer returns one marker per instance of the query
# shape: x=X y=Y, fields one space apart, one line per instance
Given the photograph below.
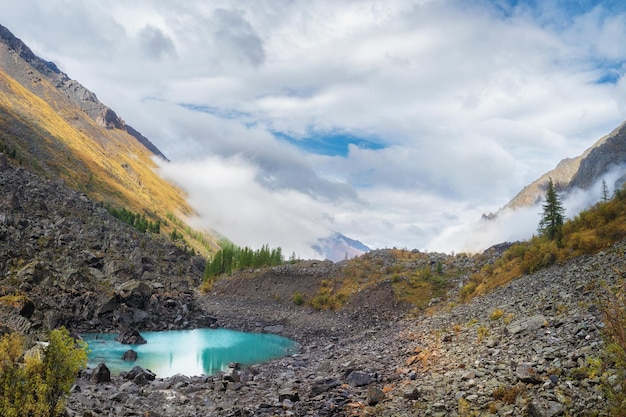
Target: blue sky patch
x=216 y=111
x=329 y=143
x=611 y=77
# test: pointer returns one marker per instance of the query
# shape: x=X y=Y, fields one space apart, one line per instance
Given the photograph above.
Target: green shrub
x=298 y=298
x=37 y=385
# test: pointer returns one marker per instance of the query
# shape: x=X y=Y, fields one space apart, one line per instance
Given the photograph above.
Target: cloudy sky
x=397 y=123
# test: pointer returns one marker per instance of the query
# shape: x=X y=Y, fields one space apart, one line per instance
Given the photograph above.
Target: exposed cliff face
x=606 y=154
x=580 y=172
x=75 y=91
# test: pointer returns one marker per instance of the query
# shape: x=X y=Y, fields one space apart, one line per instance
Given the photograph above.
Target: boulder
x=101 y=374
x=375 y=395
x=23 y=305
x=526 y=324
x=108 y=306
x=320 y=386
x=130 y=355
x=130 y=337
x=288 y=393
x=359 y=379
x=232 y=375
x=140 y=376
x=135 y=293
x=526 y=373
x=542 y=408
x=411 y=392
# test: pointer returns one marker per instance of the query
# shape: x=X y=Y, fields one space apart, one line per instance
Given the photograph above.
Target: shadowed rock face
x=601 y=159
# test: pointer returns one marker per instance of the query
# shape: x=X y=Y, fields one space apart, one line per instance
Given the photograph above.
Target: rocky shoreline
x=531 y=348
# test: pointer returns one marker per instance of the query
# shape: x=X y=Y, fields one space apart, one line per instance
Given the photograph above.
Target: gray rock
x=288 y=393
x=411 y=392
x=322 y=385
x=131 y=337
x=278 y=328
x=130 y=355
x=526 y=373
x=359 y=379
x=542 y=408
x=140 y=376
x=374 y=396
x=526 y=324
x=232 y=375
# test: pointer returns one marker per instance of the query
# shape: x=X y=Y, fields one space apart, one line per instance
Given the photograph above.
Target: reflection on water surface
x=188 y=352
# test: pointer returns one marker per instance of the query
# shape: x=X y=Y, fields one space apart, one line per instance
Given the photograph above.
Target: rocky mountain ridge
x=81 y=96
x=55 y=127
x=581 y=172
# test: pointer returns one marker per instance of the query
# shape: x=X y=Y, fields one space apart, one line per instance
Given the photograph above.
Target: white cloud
x=471 y=100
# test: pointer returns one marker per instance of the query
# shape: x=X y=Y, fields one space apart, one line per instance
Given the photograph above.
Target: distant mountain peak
x=338 y=247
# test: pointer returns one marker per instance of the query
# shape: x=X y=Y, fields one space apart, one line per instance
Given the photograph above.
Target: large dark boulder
x=140 y=376
x=130 y=337
x=135 y=293
x=101 y=374
x=129 y=356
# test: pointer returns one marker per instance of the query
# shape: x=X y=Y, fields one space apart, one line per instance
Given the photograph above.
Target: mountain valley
x=382 y=332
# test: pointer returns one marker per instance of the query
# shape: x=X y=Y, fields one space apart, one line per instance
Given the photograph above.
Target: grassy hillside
x=57 y=140
x=590 y=232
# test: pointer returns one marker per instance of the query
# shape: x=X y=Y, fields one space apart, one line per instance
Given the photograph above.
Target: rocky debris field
x=73 y=264
x=531 y=348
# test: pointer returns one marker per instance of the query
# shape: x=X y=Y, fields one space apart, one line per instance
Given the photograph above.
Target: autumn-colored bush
x=612 y=304
x=36 y=385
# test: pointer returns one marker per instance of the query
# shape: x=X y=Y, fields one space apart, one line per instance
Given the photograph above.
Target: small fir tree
x=604 y=191
x=551 y=223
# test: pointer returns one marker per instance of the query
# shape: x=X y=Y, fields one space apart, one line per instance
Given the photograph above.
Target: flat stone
x=526 y=373
x=359 y=379
x=541 y=408
x=526 y=324
x=278 y=328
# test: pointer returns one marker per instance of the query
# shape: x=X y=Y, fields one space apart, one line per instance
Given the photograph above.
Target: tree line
x=231 y=257
x=138 y=221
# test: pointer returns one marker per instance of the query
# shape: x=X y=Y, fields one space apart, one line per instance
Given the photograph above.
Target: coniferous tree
x=604 y=191
x=551 y=223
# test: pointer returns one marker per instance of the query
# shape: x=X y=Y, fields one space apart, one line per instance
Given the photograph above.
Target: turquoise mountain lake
x=188 y=352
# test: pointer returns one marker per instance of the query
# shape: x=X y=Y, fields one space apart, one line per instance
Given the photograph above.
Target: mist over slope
x=54 y=126
x=578 y=181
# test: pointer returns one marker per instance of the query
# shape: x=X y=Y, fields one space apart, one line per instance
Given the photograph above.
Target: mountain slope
x=76 y=92
x=580 y=172
x=56 y=127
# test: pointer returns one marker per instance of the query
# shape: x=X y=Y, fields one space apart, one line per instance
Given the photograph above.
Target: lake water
x=188 y=352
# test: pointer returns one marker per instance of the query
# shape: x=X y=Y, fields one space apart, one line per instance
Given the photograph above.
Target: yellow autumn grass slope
x=56 y=139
